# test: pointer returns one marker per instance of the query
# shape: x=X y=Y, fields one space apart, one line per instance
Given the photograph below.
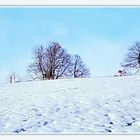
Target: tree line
x=54 y=62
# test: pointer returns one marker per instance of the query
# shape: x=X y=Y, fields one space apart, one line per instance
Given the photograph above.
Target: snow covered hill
x=109 y=105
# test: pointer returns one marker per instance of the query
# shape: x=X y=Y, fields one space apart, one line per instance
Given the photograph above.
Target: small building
x=120 y=73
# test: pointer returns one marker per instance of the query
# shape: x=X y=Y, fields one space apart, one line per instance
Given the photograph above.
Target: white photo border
x=76 y=4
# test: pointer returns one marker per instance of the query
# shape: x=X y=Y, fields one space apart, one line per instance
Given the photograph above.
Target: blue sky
x=101 y=36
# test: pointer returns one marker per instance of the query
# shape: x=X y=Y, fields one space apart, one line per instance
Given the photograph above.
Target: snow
x=104 y=105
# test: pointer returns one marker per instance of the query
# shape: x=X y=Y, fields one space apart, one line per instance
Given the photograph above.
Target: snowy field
x=109 y=105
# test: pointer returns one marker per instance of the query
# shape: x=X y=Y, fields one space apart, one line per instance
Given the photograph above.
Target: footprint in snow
x=108 y=130
x=128 y=124
x=43 y=123
x=19 y=130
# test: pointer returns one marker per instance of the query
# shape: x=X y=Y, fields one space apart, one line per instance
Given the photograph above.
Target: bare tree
x=58 y=61
x=51 y=62
x=79 y=68
x=13 y=78
x=39 y=66
x=132 y=60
